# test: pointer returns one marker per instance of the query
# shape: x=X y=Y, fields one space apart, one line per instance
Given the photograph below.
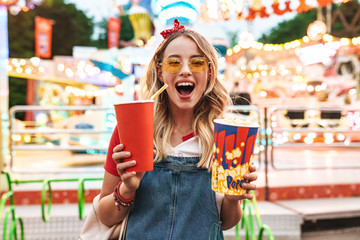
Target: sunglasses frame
x=160 y=64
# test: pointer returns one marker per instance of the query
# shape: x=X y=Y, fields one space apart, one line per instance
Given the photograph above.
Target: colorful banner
x=114 y=25
x=43 y=37
x=223 y=10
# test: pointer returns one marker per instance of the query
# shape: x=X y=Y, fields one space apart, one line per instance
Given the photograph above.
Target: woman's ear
x=159 y=73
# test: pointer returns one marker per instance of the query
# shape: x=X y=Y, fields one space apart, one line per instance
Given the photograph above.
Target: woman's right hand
x=131 y=180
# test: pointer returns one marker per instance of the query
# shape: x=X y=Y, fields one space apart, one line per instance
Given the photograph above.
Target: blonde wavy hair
x=212 y=104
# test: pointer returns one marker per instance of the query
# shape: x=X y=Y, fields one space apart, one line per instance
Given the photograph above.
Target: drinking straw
x=159 y=91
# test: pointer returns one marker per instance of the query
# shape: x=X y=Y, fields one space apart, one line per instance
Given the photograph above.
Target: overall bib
x=175 y=201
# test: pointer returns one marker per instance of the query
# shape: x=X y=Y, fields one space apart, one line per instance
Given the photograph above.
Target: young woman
x=175 y=200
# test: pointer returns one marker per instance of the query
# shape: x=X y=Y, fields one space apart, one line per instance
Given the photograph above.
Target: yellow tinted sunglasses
x=174 y=64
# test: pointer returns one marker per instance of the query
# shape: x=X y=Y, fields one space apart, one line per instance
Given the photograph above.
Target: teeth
x=185 y=84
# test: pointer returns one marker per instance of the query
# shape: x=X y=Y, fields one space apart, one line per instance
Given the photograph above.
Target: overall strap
x=177 y=167
x=216 y=232
x=179 y=164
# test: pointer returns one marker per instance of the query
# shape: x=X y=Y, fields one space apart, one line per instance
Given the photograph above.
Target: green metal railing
x=249 y=209
x=11 y=210
x=46 y=196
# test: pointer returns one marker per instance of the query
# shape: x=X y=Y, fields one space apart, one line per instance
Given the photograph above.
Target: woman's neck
x=183 y=122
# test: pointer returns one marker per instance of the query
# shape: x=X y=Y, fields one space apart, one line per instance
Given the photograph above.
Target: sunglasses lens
x=171 y=65
x=198 y=64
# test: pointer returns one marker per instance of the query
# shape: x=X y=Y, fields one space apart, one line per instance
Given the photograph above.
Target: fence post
x=266 y=156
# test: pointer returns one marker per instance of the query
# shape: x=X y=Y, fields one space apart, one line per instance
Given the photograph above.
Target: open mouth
x=185 y=88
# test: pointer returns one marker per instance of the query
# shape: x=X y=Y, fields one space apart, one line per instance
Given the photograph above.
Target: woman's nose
x=185 y=69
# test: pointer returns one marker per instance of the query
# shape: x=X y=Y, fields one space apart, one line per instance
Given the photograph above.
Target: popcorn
x=236 y=121
x=229 y=181
x=234 y=142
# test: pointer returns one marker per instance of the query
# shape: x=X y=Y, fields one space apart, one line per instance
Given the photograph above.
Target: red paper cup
x=135 y=124
x=233 y=151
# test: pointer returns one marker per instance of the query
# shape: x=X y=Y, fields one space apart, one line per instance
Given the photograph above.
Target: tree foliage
x=102 y=40
x=126 y=32
x=71 y=27
x=290 y=30
x=17 y=93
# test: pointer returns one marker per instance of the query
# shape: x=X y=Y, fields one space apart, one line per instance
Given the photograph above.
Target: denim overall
x=175 y=201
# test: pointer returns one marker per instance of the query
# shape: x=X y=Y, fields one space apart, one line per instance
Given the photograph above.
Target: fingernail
x=133 y=162
x=120 y=145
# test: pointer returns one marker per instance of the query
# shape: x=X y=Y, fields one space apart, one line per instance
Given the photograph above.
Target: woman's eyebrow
x=174 y=55
x=198 y=55
x=192 y=56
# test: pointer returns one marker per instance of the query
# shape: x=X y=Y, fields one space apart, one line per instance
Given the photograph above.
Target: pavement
x=284 y=217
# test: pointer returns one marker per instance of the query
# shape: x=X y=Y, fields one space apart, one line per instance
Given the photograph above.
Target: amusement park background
x=64 y=64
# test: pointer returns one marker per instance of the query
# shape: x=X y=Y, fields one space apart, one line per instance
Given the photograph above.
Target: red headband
x=177 y=28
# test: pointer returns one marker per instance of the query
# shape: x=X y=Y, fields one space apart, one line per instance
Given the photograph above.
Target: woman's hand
x=249 y=177
x=131 y=180
x=231 y=208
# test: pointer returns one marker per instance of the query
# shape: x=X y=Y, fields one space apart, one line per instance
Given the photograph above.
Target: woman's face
x=187 y=85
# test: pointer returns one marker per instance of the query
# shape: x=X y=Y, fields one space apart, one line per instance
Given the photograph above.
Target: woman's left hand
x=248 y=185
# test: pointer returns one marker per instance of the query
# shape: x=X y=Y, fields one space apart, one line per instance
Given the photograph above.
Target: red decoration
x=253 y=12
x=323 y=3
x=278 y=11
x=43 y=37
x=114 y=26
x=239 y=15
x=177 y=28
x=302 y=7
